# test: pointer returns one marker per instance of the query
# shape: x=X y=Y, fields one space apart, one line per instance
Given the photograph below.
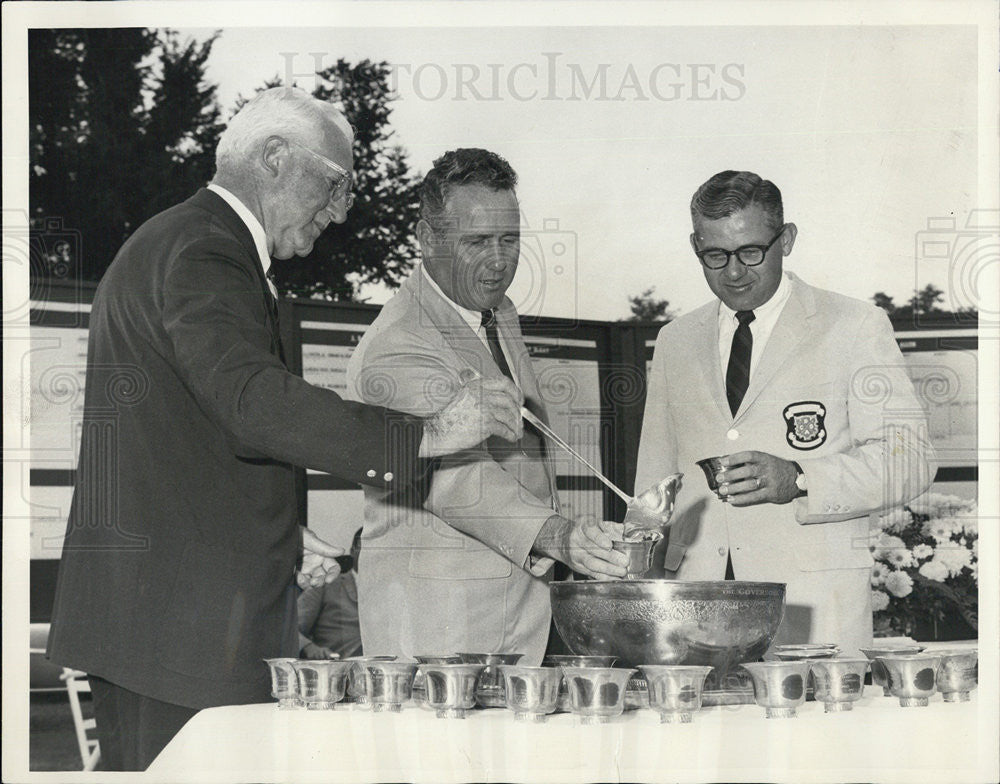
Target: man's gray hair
x=287 y=112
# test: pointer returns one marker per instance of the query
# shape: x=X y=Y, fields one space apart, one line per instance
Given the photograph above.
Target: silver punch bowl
x=717 y=623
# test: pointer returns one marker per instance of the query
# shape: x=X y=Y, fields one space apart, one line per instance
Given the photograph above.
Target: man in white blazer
x=464 y=567
x=804 y=394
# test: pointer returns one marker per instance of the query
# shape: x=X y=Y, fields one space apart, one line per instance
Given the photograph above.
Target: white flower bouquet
x=926 y=565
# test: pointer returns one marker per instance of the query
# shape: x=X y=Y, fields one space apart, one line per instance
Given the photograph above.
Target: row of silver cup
x=453 y=684
x=596 y=691
x=908 y=673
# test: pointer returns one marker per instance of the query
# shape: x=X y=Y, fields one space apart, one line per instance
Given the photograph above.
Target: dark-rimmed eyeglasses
x=340 y=188
x=749 y=255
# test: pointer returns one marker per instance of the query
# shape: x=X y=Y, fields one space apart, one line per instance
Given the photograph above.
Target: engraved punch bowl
x=717 y=623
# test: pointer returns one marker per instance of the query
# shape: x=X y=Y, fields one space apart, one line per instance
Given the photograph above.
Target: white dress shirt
x=256 y=230
x=474 y=319
x=765 y=317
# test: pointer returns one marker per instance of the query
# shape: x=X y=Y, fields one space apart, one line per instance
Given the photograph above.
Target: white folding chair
x=44 y=676
x=90 y=749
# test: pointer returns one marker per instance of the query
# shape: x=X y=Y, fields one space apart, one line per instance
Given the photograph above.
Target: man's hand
x=583 y=546
x=313 y=651
x=482 y=408
x=756 y=478
x=318 y=564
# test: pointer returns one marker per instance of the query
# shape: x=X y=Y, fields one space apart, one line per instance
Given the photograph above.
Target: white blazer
x=831 y=392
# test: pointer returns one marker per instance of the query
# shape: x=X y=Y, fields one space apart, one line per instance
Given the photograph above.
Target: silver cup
x=490 y=689
x=531 y=692
x=284 y=682
x=388 y=684
x=418 y=692
x=640 y=555
x=597 y=694
x=779 y=687
x=322 y=682
x=805 y=652
x=572 y=660
x=958 y=674
x=711 y=466
x=356 y=692
x=450 y=689
x=675 y=690
x=879 y=675
x=838 y=683
x=912 y=677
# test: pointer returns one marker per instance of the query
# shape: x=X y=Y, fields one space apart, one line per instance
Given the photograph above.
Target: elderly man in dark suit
x=177 y=571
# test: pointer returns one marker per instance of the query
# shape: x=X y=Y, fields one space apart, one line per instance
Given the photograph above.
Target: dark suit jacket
x=177 y=569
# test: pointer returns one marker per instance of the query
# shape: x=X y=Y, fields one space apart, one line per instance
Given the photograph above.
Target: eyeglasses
x=749 y=255
x=341 y=186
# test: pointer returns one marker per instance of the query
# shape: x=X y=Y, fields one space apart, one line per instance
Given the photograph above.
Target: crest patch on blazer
x=806 y=425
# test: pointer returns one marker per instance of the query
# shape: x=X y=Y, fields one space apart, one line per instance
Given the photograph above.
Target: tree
x=645 y=307
x=377 y=243
x=122 y=124
x=923 y=303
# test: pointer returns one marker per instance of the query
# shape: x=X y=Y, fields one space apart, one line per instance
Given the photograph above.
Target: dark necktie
x=738 y=372
x=273 y=307
x=493 y=339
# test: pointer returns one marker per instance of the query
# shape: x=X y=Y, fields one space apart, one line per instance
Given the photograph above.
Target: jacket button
x=722 y=551
x=733 y=434
x=370 y=473
x=388 y=476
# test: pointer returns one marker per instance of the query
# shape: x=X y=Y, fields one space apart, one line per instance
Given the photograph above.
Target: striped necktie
x=738 y=372
x=489 y=321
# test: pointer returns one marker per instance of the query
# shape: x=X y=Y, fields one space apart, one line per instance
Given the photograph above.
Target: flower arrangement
x=926 y=565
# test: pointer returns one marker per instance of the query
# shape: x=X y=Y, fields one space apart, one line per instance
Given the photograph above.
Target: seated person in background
x=328 y=614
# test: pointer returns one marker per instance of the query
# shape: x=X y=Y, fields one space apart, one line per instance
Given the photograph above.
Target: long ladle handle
x=548 y=431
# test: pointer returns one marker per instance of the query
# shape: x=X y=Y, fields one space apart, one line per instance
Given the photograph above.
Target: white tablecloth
x=878 y=740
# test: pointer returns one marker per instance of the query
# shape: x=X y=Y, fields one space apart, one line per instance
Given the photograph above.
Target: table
x=878 y=740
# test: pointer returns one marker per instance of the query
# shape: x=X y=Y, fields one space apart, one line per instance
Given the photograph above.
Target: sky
x=869 y=132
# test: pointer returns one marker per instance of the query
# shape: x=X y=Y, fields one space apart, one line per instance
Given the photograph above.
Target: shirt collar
x=770 y=308
x=256 y=230
x=471 y=317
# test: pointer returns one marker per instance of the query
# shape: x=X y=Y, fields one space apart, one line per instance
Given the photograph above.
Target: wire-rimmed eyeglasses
x=340 y=188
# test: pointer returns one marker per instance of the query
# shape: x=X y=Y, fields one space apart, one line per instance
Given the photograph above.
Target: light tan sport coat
x=454 y=574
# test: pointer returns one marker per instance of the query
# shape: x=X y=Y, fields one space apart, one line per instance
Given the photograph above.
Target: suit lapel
x=214 y=203
x=467 y=345
x=706 y=348
x=789 y=331
x=455 y=330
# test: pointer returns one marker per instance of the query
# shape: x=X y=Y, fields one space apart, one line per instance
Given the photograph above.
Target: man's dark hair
x=465 y=166
x=729 y=192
